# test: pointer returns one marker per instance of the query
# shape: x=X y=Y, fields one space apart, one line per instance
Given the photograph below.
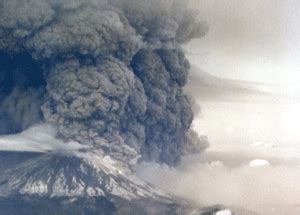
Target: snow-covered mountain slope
x=83 y=174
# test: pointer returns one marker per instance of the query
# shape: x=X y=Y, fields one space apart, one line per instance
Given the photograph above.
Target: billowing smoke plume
x=106 y=73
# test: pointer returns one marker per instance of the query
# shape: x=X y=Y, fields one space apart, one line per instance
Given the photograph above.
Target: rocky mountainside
x=57 y=174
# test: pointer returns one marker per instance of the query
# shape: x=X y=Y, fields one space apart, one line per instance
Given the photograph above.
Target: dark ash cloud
x=111 y=73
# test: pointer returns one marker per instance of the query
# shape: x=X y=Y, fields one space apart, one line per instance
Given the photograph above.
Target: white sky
x=254 y=40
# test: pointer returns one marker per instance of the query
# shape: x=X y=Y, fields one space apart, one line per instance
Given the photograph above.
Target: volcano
x=79 y=183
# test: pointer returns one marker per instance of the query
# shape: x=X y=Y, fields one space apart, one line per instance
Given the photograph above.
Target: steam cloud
x=106 y=73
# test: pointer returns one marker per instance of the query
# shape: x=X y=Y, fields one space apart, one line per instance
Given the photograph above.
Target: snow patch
x=37 y=187
x=91 y=191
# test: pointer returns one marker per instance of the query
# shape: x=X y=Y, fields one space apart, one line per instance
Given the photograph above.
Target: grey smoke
x=21 y=109
x=113 y=71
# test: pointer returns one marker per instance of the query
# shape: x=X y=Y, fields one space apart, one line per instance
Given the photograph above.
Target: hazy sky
x=255 y=40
